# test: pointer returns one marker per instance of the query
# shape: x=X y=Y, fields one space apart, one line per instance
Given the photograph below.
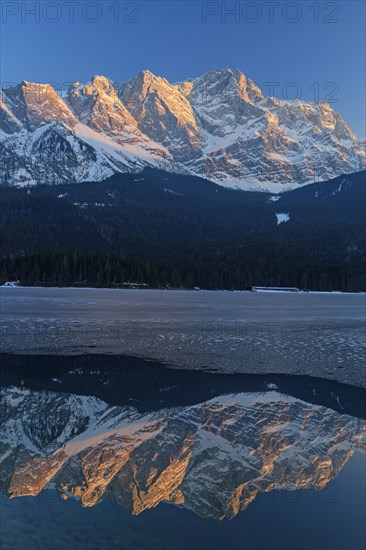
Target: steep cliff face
x=97 y=105
x=213 y=458
x=219 y=126
x=37 y=104
x=163 y=113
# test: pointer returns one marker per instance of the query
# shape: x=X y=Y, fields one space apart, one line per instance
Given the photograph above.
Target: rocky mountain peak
x=100 y=84
x=37 y=104
x=97 y=105
x=163 y=113
x=218 y=125
x=226 y=82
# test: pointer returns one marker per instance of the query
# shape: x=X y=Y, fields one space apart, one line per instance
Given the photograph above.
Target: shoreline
x=171 y=289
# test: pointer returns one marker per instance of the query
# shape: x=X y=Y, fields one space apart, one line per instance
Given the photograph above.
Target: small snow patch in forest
x=282 y=217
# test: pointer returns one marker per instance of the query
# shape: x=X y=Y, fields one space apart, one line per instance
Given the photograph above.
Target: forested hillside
x=161 y=229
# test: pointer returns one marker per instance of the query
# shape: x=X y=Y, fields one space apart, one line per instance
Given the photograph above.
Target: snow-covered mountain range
x=219 y=126
x=214 y=457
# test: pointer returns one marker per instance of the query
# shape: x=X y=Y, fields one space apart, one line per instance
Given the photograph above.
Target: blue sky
x=319 y=46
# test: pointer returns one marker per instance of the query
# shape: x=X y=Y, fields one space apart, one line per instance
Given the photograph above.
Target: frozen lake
x=130 y=453
x=302 y=333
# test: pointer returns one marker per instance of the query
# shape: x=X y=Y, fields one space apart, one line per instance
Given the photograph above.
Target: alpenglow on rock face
x=219 y=126
x=214 y=458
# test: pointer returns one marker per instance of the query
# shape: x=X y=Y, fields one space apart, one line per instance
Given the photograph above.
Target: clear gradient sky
x=305 y=42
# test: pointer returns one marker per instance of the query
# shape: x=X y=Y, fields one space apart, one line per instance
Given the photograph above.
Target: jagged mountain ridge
x=219 y=126
x=213 y=458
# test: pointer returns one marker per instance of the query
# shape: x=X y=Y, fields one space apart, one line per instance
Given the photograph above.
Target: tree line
x=60 y=268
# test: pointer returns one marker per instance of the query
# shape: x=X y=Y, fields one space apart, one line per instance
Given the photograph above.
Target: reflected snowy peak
x=214 y=457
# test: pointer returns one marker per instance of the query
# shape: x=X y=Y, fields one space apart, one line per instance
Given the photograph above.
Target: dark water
x=333 y=518
x=103 y=452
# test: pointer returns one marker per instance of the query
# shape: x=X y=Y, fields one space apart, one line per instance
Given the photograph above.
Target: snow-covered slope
x=219 y=126
x=214 y=457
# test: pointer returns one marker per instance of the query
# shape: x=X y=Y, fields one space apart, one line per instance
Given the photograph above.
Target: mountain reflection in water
x=213 y=457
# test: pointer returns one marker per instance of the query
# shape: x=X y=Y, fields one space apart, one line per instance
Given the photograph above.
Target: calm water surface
x=106 y=452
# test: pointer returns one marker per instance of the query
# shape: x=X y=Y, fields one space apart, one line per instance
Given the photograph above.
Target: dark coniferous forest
x=165 y=230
